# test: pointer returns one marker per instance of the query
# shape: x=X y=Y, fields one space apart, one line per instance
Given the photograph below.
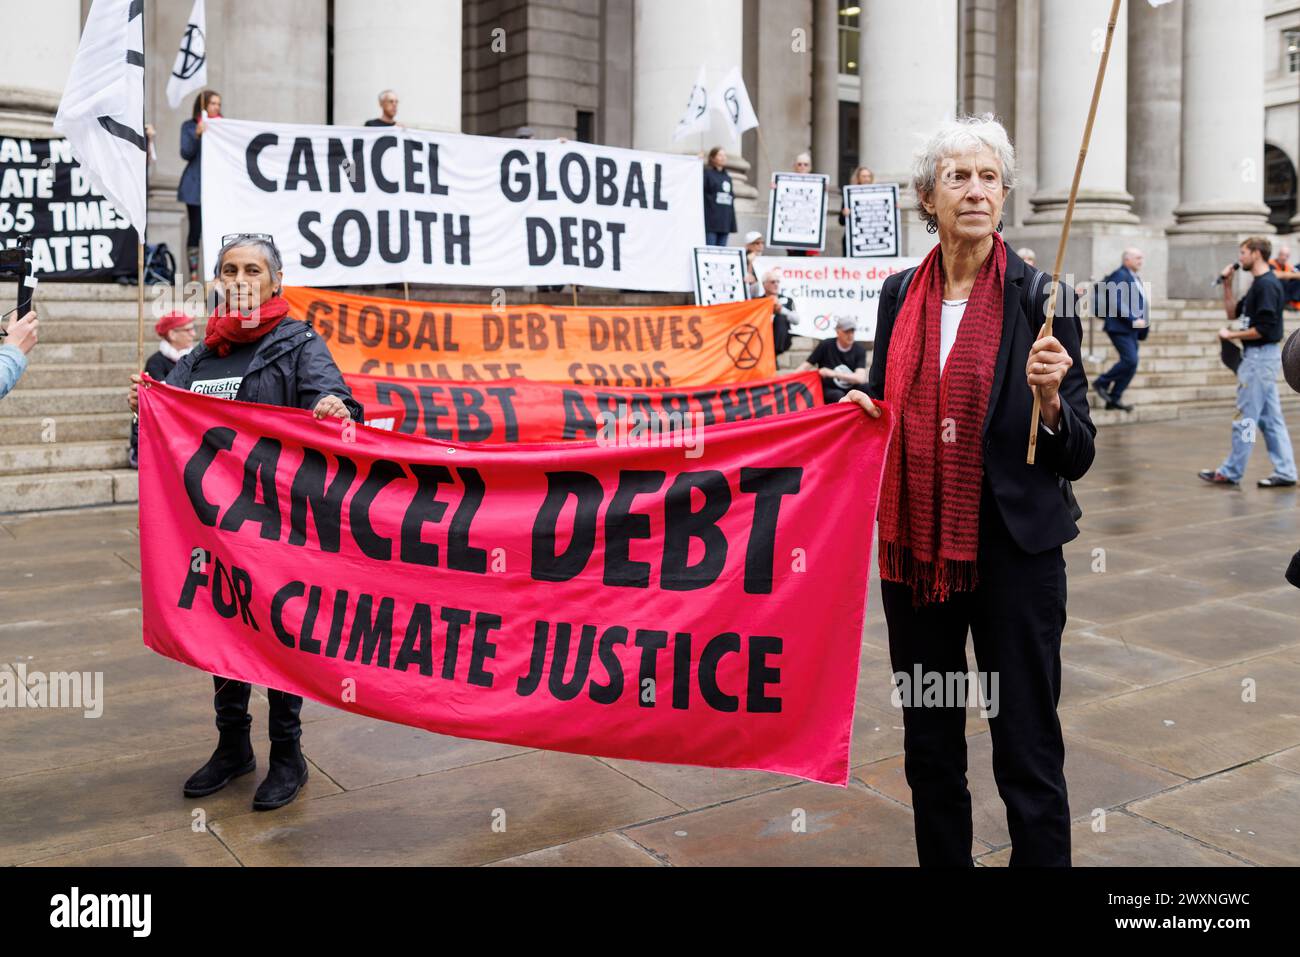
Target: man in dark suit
x=1122 y=303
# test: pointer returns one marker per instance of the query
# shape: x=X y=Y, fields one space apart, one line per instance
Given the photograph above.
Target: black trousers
x=195 y=235
x=1015 y=617
x=231 y=702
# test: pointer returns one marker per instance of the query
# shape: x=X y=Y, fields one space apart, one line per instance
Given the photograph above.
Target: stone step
x=40 y=375
x=36 y=492
x=1201 y=363
x=85 y=330
x=98 y=426
x=50 y=457
x=89 y=353
x=24 y=402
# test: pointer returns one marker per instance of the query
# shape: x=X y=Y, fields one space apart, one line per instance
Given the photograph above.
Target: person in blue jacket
x=719 y=200
x=1122 y=303
x=207 y=105
x=16 y=342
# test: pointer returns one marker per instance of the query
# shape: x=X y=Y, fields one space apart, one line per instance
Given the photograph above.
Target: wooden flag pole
x=139 y=306
x=1069 y=215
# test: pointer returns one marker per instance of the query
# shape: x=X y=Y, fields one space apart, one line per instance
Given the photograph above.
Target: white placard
x=824 y=289
x=719 y=274
x=358 y=205
x=871 y=220
x=796 y=211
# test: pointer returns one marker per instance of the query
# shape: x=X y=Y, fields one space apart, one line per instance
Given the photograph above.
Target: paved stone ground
x=1190 y=608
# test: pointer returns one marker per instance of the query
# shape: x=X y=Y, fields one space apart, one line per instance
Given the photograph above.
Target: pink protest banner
x=690 y=606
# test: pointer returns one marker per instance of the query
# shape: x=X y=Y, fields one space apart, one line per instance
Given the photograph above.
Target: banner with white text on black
x=351 y=205
x=76 y=233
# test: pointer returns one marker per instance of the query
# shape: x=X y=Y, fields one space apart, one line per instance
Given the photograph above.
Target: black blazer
x=1028 y=496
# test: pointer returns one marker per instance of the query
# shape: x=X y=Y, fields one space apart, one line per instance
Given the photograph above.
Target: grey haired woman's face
x=968 y=194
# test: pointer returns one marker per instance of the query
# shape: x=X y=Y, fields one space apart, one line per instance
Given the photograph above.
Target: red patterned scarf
x=930 y=501
x=228 y=329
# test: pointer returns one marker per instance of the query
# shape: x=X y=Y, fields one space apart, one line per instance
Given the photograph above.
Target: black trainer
x=1275 y=481
x=1105 y=396
x=232 y=758
x=284 y=779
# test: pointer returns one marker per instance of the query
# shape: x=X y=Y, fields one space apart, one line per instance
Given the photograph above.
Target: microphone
x=1219 y=281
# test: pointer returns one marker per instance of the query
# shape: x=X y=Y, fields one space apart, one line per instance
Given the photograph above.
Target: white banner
x=357 y=205
x=823 y=289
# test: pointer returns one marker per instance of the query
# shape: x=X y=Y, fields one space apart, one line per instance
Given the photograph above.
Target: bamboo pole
x=139 y=306
x=1069 y=215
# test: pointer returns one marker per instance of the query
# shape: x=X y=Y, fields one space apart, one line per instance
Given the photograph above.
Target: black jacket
x=292 y=367
x=1028 y=496
x=159 y=366
x=719 y=202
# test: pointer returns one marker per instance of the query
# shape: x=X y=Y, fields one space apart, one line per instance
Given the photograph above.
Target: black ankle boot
x=287 y=775
x=233 y=757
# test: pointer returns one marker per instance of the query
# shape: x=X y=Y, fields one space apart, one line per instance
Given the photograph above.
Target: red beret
x=173 y=320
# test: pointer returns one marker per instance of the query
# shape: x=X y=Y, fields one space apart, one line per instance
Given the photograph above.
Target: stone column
x=1222 y=183
x=37 y=46
x=1071 y=38
x=825 y=90
x=1155 y=65
x=672 y=38
x=411 y=48
x=919 y=45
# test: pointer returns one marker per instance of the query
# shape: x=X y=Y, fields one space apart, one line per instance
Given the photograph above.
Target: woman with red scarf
x=254 y=351
x=970 y=535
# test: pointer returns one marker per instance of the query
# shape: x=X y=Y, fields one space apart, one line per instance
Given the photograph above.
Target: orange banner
x=631 y=346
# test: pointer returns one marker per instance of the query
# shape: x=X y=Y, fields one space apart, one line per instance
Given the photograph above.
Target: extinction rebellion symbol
x=193 y=53
x=744 y=346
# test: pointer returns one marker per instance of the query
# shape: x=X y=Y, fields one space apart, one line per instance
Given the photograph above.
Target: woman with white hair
x=254 y=351
x=970 y=535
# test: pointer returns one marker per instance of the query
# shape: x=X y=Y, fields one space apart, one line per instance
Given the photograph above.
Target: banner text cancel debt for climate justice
x=599 y=600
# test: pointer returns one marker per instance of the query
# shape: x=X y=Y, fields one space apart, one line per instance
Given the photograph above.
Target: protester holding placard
x=862 y=176
x=254 y=351
x=970 y=535
x=190 y=192
x=719 y=199
x=802 y=164
x=753 y=249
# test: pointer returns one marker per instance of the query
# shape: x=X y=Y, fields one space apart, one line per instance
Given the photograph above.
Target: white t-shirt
x=949 y=320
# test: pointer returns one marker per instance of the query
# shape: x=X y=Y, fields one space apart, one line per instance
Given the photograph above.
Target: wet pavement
x=1181 y=712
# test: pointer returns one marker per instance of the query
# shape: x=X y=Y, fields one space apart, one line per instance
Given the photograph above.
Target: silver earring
x=931 y=226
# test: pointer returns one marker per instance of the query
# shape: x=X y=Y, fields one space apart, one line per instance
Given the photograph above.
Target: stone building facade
x=1195 y=145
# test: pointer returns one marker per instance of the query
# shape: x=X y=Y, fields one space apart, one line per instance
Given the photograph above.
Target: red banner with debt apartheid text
x=625 y=602
x=517 y=410
x=621 y=346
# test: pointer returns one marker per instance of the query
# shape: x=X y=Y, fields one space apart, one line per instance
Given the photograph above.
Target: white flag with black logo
x=190 y=71
x=731 y=99
x=696 y=117
x=102 y=109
